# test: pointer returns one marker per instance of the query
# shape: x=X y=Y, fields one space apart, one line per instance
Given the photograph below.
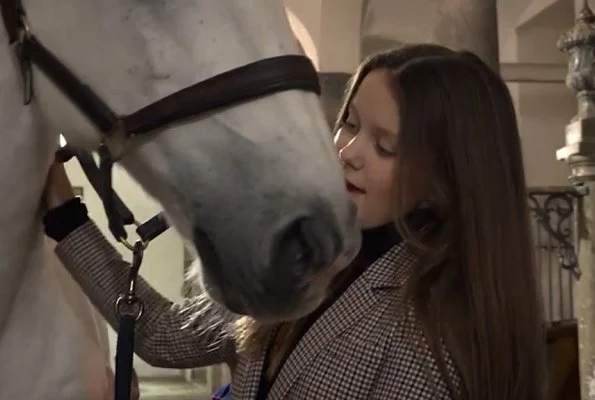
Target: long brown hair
x=459 y=152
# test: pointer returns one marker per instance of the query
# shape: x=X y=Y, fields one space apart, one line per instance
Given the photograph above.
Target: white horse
x=260 y=180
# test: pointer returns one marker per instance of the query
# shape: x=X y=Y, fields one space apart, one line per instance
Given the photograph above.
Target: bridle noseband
x=245 y=83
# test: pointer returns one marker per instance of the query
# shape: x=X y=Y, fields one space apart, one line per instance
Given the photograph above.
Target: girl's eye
x=384 y=150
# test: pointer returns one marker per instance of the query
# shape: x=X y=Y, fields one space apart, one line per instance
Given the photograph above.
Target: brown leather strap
x=81 y=95
x=148 y=230
x=258 y=79
x=93 y=174
x=261 y=78
x=12 y=11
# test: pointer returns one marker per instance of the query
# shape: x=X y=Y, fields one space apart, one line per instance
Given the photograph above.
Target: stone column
x=469 y=25
x=579 y=154
x=334 y=26
x=339 y=50
x=340 y=35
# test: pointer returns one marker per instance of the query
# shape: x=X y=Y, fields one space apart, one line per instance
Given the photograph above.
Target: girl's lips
x=351 y=188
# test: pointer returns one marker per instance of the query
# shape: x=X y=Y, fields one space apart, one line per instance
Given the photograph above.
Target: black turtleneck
x=375 y=242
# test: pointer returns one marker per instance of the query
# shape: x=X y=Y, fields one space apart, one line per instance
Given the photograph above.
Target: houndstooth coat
x=358 y=349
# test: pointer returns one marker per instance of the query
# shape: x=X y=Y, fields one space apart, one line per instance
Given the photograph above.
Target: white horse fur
x=240 y=176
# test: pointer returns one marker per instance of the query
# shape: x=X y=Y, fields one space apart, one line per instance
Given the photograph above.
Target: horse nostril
x=297 y=247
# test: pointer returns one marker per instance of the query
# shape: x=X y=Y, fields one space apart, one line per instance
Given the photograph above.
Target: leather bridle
x=245 y=83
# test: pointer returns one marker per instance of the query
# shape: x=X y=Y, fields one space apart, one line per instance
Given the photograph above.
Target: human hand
x=58 y=189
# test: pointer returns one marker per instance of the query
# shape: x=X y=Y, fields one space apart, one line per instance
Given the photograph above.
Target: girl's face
x=367 y=147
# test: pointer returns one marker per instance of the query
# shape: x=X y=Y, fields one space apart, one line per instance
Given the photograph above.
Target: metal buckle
x=133 y=247
x=129 y=299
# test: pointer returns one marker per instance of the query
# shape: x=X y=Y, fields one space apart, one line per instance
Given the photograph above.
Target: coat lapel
x=387 y=272
x=247 y=377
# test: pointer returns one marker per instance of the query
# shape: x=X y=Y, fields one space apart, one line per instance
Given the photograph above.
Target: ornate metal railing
x=554 y=221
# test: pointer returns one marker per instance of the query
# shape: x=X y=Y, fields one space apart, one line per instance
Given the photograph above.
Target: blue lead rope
x=224 y=393
x=124 y=354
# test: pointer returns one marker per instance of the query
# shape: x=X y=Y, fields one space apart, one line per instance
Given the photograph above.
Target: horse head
x=256 y=187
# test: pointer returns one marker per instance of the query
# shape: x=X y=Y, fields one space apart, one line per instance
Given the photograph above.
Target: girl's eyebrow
x=380 y=131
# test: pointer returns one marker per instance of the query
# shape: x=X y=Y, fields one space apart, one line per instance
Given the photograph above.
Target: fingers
x=58 y=187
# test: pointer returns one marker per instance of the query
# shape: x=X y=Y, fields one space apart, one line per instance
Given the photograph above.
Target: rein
x=245 y=83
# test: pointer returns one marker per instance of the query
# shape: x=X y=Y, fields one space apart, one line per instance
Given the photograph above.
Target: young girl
x=440 y=303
